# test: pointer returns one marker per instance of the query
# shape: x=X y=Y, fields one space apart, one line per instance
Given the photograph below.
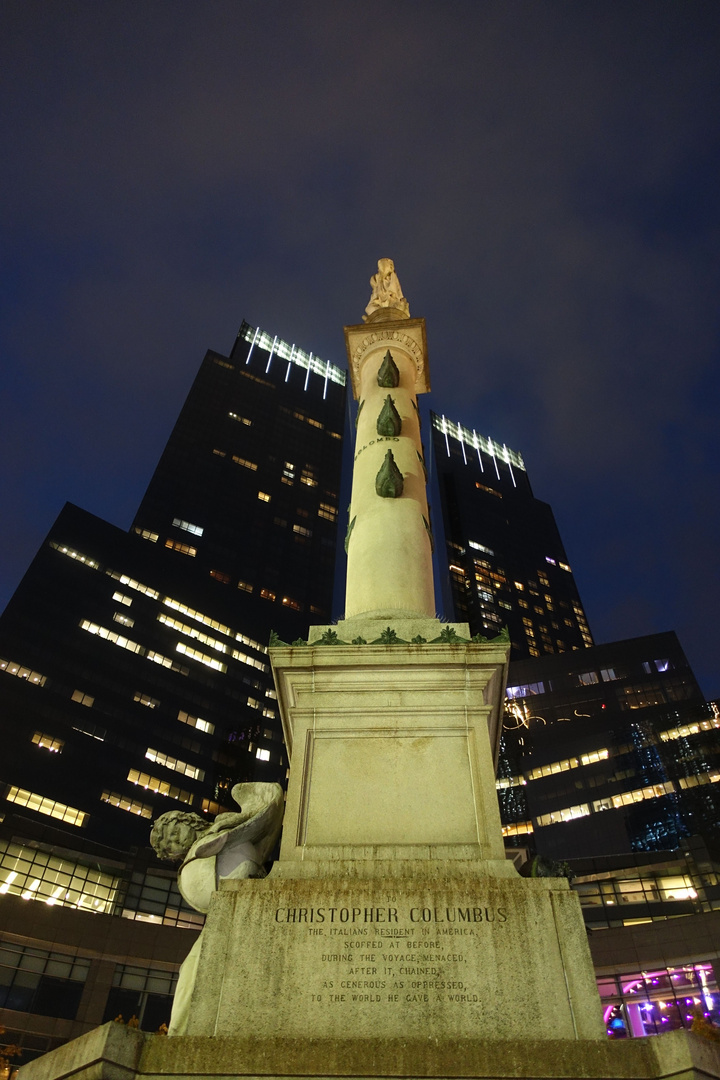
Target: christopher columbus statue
x=386 y=292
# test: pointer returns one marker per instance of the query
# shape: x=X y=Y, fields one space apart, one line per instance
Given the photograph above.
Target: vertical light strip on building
x=252 y=345
x=307 y=374
x=462 y=444
x=272 y=350
x=290 y=360
x=508 y=462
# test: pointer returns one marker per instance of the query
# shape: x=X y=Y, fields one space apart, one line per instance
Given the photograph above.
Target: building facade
x=133 y=674
x=607 y=750
x=501 y=559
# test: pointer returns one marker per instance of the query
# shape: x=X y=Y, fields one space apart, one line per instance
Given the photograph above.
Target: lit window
x=519 y=586
x=196 y=722
x=145 y=699
x=220 y=453
x=263 y=496
x=202 y=658
x=625 y=798
x=165 y=661
x=160 y=787
x=219 y=575
x=83 y=699
x=551 y=561
x=93 y=730
x=267 y=594
x=187 y=526
x=334 y=435
x=271 y=694
x=147 y=534
x=184 y=549
x=525 y=690
x=245 y=463
x=123 y=803
x=210 y=807
x=48 y=807
x=132 y=584
x=588 y=678
x=223 y=363
x=568 y=813
x=308 y=420
x=270 y=714
x=480 y=547
x=690 y=729
x=11 y=668
x=196 y=615
x=608 y=674
x=245 y=586
x=263 y=755
x=110 y=635
x=240 y=419
x=288 y=473
x=250 y=660
x=289 y=602
x=301 y=530
x=308 y=477
x=191 y=631
x=124 y=620
x=71 y=554
x=122 y=599
x=564 y=566
x=172 y=763
x=49 y=742
x=328 y=511
x=520 y=828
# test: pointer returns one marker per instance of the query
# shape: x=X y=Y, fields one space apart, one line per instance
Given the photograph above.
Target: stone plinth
x=431 y=950
x=113 y=1052
x=392 y=751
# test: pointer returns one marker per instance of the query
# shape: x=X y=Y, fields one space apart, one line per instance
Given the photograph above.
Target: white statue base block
x=443 y=953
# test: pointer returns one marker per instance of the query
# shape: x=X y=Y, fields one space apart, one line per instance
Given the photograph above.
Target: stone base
x=439 y=954
x=113 y=1052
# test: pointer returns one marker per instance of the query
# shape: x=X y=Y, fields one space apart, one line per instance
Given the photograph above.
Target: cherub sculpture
x=235 y=845
x=386 y=291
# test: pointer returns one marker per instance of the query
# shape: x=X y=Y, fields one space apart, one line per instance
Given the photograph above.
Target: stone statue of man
x=386 y=291
x=235 y=845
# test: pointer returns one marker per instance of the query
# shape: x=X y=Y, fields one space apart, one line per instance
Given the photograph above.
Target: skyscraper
x=607 y=750
x=133 y=675
x=506 y=564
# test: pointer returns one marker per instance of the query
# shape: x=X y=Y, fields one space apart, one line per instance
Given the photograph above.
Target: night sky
x=546 y=176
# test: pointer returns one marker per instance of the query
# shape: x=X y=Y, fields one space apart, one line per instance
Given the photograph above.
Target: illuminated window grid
x=567 y=813
x=612 y=802
x=250 y=660
x=122 y=598
x=11 y=667
x=111 y=635
x=264 y=497
x=133 y=584
x=595 y=890
x=83 y=699
x=568 y=763
x=160 y=787
x=192 y=632
x=690 y=729
x=165 y=661
x=198 y=616
x=262 y=755
x=519 y=828
x=661 y=999
x=77 y=555
x=147 y=534
x=145 y=699
x=505 y=782
x=187 y=526
x=181 y=767
x=38 y=875
x=245 y=463
x=196 y=722
x=124 y=620
x=711 y=776
x=301 y=530
x=49 y=742
x=184 y=549
x=241 y=419
x=201 y=657
x=123 y=803
x=49 y=807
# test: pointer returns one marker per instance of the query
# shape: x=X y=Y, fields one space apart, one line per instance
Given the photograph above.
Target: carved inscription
x=392 y=952
x=381 y=438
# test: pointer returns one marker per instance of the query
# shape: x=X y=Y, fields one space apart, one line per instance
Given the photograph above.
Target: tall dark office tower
x=504 y=563
x=607 y=750
x=133 y=675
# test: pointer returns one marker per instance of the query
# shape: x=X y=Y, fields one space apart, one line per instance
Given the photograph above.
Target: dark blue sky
x=544 y=174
